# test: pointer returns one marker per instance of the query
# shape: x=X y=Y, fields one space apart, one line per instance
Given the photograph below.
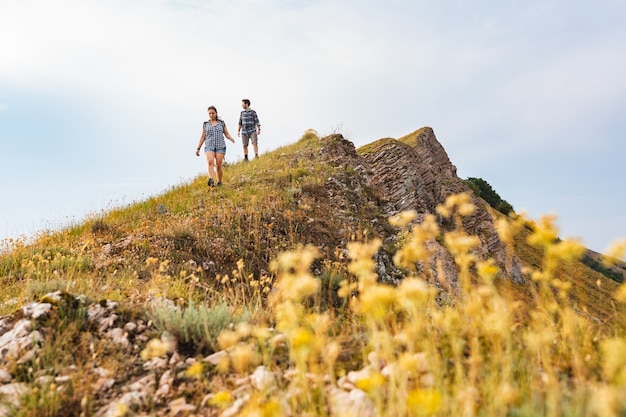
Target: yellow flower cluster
x=295 y=280
x=414 y=248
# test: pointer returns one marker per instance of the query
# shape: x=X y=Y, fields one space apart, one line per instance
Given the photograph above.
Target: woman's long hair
x=217 y=117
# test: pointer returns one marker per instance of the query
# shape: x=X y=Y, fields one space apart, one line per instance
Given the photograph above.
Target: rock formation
x=415 y=173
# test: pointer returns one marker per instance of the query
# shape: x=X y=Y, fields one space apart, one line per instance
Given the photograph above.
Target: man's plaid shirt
x=248 y=120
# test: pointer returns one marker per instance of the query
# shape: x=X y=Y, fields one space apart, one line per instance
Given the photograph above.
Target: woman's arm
x=200 y=142
x=227 y=134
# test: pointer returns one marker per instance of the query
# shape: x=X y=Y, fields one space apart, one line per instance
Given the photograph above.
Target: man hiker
x=249 y=128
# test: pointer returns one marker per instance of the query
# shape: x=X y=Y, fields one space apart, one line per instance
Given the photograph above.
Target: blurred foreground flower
x=194 y=371
x=221 y=399
x=423 y=401
x=154 y=349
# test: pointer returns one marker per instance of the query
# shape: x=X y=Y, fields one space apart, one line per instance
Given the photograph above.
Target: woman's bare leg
x=219 y=157
x=210 y=158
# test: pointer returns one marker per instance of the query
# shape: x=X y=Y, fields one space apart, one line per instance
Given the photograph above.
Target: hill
x=287 y=291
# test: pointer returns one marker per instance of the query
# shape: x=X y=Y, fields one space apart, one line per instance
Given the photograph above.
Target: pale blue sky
x=102 y=101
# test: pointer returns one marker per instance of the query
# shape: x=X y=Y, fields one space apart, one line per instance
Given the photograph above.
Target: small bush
x=196 y=327
x=482 y=189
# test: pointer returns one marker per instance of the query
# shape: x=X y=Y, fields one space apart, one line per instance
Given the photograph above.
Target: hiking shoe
x=211 y=183
x=219 y=184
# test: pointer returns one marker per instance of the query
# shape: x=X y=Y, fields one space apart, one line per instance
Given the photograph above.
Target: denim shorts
x=215 y=149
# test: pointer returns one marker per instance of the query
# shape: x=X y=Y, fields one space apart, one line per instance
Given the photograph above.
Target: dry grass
x=552 y=347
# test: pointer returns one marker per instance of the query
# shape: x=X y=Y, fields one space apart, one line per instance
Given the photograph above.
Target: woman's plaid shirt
x=214 y=135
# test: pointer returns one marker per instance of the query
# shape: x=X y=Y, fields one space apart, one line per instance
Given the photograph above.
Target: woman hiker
x=213 y=132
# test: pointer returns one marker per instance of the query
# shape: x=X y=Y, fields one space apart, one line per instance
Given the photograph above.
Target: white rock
x=262 y=379
x=179 y=407
x=36 y=310
x=130 y=327
x=161 y=394
x=103 y=384
x=18 y=339
x=354 y=403
x=354 y=376
x=145 y=384
x=215 y=358
x=11 y=393
x=5 y=377
x=235 y=408
x=118 y=336
x=154 y=364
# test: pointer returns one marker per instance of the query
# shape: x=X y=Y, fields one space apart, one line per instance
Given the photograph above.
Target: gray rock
x=36 y=310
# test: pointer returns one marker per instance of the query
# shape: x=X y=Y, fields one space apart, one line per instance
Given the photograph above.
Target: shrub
x=196 y=327
x=482 y=189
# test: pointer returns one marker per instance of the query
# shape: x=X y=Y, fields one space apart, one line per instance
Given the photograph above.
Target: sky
x=102 y=101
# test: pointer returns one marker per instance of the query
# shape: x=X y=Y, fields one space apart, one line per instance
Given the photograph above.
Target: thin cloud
x=505 y=86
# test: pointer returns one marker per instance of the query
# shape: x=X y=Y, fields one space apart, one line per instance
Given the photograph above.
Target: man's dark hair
x=245 y=100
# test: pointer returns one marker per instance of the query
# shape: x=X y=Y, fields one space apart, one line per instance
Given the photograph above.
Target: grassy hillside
x=276 y=271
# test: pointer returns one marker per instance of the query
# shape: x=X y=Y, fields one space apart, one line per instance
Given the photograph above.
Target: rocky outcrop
x=415 y=173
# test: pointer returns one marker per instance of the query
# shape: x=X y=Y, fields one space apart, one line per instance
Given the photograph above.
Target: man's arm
x=258 y=123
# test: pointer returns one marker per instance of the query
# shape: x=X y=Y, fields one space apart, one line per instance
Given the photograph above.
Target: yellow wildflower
x=227 y=339
x=299 y=260
x=487 y=270
x=120 y=409
x=466 y=209
x=459 y=244
x=301 y=338
x=615 y=251
x=164 y=265
x=154 y=349
x=413 y=251
x=371 y=383
x=362 y=265
x=509 y=395
x=319 y=322
x=377 y=300
x=223 y=366
x=505 y=230
x=346 y=288
x=413 y=292
x=243 y=330
x=461 y=201
x=194 y=371
x=409 y=363
x=272 y=408
x=243 y=357
x=221 y=398
x=261 y=333
x=287 y=315
x=331 y=353
x=614 y=359
x=546 y=232
x=443 y=211
x=607 y=401
x=299 y=287
x=620 y=295
x=424 y=401
x=403 y=218
x=566 y=250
